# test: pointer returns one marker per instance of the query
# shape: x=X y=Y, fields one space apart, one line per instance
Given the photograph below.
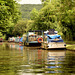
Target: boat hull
x=32 y=44
x=54 y=45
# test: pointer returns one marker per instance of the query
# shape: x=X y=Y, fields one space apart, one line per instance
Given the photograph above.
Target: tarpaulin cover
x=54 y=36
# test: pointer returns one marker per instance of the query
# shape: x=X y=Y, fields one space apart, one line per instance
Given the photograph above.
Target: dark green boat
x=34 y=38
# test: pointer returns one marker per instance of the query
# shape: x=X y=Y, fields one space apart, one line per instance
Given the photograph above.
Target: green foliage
x=9 y=15
x=27 y=8
x=2 y=36
x=22 y=27
x=33 y=14
x=67 y=19
x=46 y=18
x=45 y=2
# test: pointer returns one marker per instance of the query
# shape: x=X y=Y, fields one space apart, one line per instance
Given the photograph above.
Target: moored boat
x=34 y=38
x=52 y=40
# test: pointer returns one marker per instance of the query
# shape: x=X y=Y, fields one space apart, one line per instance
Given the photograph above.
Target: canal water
x=20 y=60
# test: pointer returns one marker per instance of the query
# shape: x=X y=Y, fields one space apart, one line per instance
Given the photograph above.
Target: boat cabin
x=34 y=38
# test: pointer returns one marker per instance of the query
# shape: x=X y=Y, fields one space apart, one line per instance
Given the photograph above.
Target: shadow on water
x=20 y=60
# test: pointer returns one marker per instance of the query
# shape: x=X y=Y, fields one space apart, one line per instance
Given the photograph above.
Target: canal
x=20 y=60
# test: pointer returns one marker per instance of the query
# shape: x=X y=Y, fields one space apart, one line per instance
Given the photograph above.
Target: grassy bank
x=70 y=45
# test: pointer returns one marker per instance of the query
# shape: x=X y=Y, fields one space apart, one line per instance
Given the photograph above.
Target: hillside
x=27 y=8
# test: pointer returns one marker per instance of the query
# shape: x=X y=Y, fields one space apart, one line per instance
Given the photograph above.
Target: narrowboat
x=14 y=39
x=52 y=40
x=33 y=38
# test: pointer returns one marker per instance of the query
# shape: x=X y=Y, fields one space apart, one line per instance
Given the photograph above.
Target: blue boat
x=52 y=40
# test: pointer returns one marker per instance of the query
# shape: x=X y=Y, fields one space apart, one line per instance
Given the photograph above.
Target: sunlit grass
x=70 y=46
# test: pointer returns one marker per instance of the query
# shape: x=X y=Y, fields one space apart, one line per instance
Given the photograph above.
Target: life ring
x=20 y=42
x=40 y=39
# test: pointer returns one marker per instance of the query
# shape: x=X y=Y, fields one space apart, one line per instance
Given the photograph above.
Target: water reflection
x=34 y=61
x=69 y=63
x=42 y=61
x=19 y=60
x=15 y=46
x=54 y=61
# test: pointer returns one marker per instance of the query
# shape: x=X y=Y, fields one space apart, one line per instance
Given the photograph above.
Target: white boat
x=52 y=41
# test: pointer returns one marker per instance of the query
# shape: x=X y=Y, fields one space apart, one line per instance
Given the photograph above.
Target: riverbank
x=70 y=45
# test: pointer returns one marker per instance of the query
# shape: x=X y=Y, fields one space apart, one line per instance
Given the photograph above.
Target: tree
x=67 y=19
x=22 y=27
x=46 y=18
x=33 y=14
x=9 y=15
